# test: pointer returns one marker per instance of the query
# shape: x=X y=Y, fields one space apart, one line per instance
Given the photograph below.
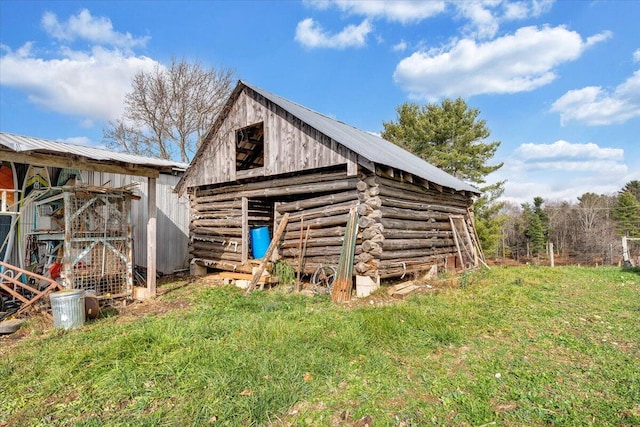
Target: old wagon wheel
x=323 y=278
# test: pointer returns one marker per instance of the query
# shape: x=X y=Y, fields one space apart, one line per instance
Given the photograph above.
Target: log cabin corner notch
x=266 y=156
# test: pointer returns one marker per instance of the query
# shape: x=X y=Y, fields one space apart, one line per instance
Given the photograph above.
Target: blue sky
x=558 y=83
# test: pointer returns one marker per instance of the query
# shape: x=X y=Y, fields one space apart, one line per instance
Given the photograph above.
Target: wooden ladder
x=6 y=280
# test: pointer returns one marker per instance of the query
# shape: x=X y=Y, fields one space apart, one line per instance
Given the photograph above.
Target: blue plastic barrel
x=259 y=241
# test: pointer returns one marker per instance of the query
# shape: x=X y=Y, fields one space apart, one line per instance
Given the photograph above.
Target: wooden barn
x=267 y=156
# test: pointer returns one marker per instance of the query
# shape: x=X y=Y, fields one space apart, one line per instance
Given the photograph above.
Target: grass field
x=510 y=346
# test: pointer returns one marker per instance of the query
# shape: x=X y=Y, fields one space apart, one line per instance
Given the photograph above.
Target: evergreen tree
x=537 y=226
x=535 y=233
x=451 y=137
x=542 y=215
x=627 y=215
x=632 y=187
x=448 y=136
x=489 y=220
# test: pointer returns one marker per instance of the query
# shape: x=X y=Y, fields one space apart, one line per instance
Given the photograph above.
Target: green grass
x=513 y=346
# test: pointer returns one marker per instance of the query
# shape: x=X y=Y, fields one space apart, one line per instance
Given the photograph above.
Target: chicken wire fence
x=98 y=243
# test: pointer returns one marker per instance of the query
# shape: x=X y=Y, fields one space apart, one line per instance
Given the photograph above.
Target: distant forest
x=587 y=232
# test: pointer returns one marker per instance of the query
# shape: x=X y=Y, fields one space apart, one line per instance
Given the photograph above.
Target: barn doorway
x=259 y=214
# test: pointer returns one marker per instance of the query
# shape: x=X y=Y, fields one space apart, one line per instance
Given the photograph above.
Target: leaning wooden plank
x=37 y=295
x=342 y=287
x=246 y=276
x=455 y=238
x=405 y=291
x=297 y=288
x=267 y=255
x=52 y=287
x=400 y=286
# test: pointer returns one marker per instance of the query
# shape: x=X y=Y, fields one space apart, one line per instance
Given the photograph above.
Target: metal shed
x=160 y=215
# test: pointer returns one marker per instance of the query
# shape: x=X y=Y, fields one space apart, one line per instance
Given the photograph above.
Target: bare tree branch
x=169 y=109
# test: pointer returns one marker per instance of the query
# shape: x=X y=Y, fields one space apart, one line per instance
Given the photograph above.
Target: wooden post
x=152 y=211
x=245 y=230
x=67 y=258
x=626 y=256
x=551 y=260
x=297 y=287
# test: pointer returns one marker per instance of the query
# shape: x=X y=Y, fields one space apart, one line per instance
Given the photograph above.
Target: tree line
x=588 y=231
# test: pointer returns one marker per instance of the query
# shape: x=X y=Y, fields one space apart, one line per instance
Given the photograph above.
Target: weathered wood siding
x=289 y=144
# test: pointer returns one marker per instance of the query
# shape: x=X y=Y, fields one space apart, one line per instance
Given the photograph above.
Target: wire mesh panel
x=97 y=244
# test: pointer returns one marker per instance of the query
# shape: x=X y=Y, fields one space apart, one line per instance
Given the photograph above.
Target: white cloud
x=403 y=11
x=311 y=34
x=483 y=22
x=400 y=47
x=90 y=85
x=563 y=171
x=97 y=30
x=481 y=18
x=87 y=123
x=566 y=150
x=636 y=55
x=594 y=106
x=567 y=189
x=526 y=9
x=484 y=17
x=597 y=38
x=516 y=11
x=520 y=62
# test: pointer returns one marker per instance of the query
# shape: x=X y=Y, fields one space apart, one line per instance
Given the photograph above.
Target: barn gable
x=255 y=137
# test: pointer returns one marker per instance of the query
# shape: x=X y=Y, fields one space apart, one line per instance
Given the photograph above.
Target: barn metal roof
x=367 y=145
x=26 y=144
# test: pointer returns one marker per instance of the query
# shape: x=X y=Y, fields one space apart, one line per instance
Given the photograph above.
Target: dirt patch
x=128 y=311
x=507 y=406
x=35 y=324
x=123 y=310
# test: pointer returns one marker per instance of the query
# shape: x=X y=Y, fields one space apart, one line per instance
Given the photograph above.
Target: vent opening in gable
x=250 y=147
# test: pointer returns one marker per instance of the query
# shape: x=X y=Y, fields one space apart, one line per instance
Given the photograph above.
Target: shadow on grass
x=631 y=270
x=172 y=286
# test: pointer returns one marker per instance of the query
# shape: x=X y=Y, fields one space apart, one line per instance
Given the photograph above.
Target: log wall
x=405 y=226
x=318 y=200
x=318 y=225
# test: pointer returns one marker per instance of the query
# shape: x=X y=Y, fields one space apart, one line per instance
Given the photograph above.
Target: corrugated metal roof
x=19 y=143
x=367 y=145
